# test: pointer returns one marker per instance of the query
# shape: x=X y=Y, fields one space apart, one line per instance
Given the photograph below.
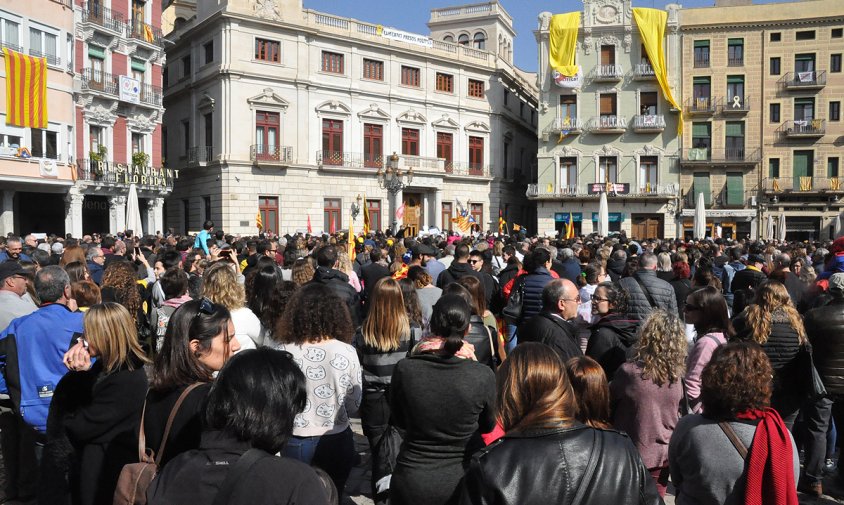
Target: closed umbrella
x=700 y=218
x=836 y=226
x=769 y=227
x=782 y=226
x=133 y=212
x=603 y=216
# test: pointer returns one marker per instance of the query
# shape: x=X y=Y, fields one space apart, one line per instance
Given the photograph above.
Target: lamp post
x=394 y=180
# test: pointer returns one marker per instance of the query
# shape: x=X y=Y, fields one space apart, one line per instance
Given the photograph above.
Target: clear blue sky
x=412 y=15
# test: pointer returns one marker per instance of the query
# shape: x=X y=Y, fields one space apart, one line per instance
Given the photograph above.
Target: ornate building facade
x=291 y=115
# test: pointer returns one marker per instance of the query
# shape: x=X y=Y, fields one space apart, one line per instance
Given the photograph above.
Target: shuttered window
x=735 y=189
x=701 y=185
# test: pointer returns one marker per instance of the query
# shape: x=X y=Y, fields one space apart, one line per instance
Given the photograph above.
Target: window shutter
x=701 y=185
x=735 y=79
x=735 y=129
x=735 y=189
x=96 y=52
x=701 y=43
x=138 y=65
x=700 y=130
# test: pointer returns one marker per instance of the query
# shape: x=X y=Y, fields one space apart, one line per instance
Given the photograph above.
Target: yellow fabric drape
x=26 y=90
x=563 y=42
x=651 y=23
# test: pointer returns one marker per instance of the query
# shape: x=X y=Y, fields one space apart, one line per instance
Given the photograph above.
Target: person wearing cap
x=12 y=288
x=746 y=281
x=825 y=329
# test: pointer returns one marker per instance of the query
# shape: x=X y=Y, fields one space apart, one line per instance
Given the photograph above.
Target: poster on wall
x=130 y=89
x=565 y=81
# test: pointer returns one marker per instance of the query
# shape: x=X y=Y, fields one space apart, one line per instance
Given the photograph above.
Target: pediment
x=268 y=98
x=607 y=150
x=412 y=116
x=374 y=112
x=333 y=107
x=477 y=126
x=445 y=122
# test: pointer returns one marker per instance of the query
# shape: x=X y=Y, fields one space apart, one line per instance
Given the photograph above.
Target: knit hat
x=836 y=284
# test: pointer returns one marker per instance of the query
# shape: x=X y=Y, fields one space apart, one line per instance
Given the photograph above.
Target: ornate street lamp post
x=394 y=180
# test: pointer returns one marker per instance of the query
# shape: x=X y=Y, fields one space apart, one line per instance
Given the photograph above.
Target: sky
x=412 y=16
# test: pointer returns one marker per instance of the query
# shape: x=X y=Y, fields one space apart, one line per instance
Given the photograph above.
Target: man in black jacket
x=647 y=291
x=374 y=271
x=459 y=267
x=327 y=273
x=552 y=326
x=746 y=281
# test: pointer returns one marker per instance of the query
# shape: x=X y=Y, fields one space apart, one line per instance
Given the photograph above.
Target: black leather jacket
x=825 y=328
x=548 y=465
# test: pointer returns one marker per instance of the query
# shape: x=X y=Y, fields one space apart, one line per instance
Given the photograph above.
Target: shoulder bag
x=647 y=293
x=135 y=478
x=736 y=441
x=512 y=312
x=809 y=379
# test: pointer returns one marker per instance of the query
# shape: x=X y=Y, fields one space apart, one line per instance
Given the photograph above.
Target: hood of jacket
x=324 y=275
x=461 y=269
x=626 y=327
x=616 y=266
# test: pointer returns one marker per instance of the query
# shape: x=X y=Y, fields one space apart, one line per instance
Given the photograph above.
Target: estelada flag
x=26 y=90
x=259 y=222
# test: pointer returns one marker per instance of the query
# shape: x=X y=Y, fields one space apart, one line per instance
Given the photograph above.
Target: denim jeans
x=512 y=338
x=333 y=453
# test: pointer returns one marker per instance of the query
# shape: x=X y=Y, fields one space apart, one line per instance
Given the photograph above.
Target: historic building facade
x=763 y=87
x=291 y=114
x=611 y=131
x=104 y=104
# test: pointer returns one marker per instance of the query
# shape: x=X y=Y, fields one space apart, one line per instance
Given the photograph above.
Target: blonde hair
x=110 y=330
x=771 y=297
x=219 y=284
x=387 y=321
x=344 y=261
x=662 y=348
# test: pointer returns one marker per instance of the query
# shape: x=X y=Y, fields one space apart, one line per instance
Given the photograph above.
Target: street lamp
x=393 y=179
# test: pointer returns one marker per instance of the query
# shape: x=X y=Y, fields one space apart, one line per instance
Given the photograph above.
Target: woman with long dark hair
x=705 y=309
x=384 y=339
x=543 y=457
x=267 y=296
x=198 y=341
x=444 y=402
x=591 y=391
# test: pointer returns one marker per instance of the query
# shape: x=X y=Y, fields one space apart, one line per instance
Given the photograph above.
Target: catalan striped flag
x=26 y=90
x=259 y=222
x=367 y=224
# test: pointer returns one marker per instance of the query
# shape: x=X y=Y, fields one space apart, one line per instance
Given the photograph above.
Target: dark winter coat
x=98 y=416
x=455 y=271
x=569 y=269
x=534 y=283
x=508 y=273
x=483 y=338
x=662 y=293
x=372 y=273
x=615 y=269
x=744 y=286
x=187 y=425
x=682 y=288
x=553 y=331
x=338 y=282
x=825 y=329
x=612 y=341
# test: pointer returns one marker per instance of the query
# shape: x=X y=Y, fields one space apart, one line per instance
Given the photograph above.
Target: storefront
x=728 y=224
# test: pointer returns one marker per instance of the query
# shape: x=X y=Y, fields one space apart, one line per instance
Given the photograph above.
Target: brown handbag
x=135 y=478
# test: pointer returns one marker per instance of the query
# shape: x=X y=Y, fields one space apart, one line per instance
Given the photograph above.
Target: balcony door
x=568 y=110
x=802 y=169
x=607 y=169
x=267 y=126
x=734 y=140
x=373 y=141
x=332 y=141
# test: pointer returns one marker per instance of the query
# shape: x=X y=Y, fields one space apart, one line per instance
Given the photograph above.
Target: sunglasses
x=472 y=262
x=206 y=307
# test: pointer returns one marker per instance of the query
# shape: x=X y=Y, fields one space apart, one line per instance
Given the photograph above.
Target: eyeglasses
x=690 y=308
x=575 y=299
x=472 y=262
x=596 y=299
x=206 y=307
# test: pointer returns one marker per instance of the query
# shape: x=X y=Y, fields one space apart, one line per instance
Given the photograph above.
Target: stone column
x=156 y=221
x=438 y=207
x=7 y=212
x=426 y=211
x=73 y=212
x=117 y=214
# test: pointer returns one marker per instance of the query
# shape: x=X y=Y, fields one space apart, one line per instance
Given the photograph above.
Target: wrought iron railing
x=807 y=79
x=611 y=71
x=99 y=81
x=649 y=122
x=93 y=12
x=119 y=174
x=146 y=32
x=52 y=59
x=803 y=127
x=201 y=154
x=271 y=153
x=732 y=154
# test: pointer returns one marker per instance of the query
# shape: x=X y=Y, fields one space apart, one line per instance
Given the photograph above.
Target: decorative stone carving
x=567 y=151
x=479 y=126
x=411 y=116
x=445 y=122
x=374 y=113
x=587 y=40
x=266 y=9
x=544 y=21
x=333 y=107
x=99 y=115
x=607 y=14
x=142 y=123
x=270 y=99
x=607 y=40
x=206 y=103
x=649 y=150
x=628 y=38
x=607 y=150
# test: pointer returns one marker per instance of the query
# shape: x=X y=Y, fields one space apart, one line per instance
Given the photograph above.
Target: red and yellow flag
x=26 y=90
x=367 y=224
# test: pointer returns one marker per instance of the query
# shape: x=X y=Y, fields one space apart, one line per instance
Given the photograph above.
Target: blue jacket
x=534 y=283
x=32 y=348
x=96 y=270
x=4 y=257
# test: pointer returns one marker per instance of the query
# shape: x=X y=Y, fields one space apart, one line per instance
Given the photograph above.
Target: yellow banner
x=651 y=23
x=563 y=42
x=26 y=90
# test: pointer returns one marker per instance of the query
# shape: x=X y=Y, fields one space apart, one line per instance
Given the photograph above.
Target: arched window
x=449 y=39
x=463 y=40
x=479 y=41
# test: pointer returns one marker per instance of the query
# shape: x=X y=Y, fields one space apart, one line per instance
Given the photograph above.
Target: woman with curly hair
x=317 y=329
x=706 y=310
x=707 y=468
x=120 y=285
x=589 y=383
x=615 y=333
x=647 y=390
x=220 y=285
x=773 y=322
x=302 y=272
x=267 y=296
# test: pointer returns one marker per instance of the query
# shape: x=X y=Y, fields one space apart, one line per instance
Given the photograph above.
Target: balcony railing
x=735 y=104
x=118 y=174
x=93 y=80
x=649 y=123
x=644 y=71
x=803 y=183
x=607 y=73
x=608 y=124
x=702 y=61
x=457 y=168
x=701 y=105
x=589 y=190
x=426 y=163
x=146 y=32
x=347 y=159
x=804 y=80
x=564 y=125
x=704 y=155
x=201 y=154
x=52 y=59
x=803 y=128
x=735 y=61
x=271 y=153
x=101 y=16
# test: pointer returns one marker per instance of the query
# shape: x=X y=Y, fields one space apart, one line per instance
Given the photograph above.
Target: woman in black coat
x=681 y=283
x=198 y=342
x=96 y=409
x=614 y=335
x=444 y=400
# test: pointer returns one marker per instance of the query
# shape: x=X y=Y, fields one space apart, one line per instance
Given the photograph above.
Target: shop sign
x=615 y=217
x=617 y=188
x=120 y=173
x=563 y=217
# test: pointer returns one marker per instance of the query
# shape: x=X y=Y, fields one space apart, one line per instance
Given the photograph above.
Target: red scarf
x=770 y=462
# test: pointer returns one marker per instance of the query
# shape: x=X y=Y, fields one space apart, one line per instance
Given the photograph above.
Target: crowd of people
x=485 y=369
